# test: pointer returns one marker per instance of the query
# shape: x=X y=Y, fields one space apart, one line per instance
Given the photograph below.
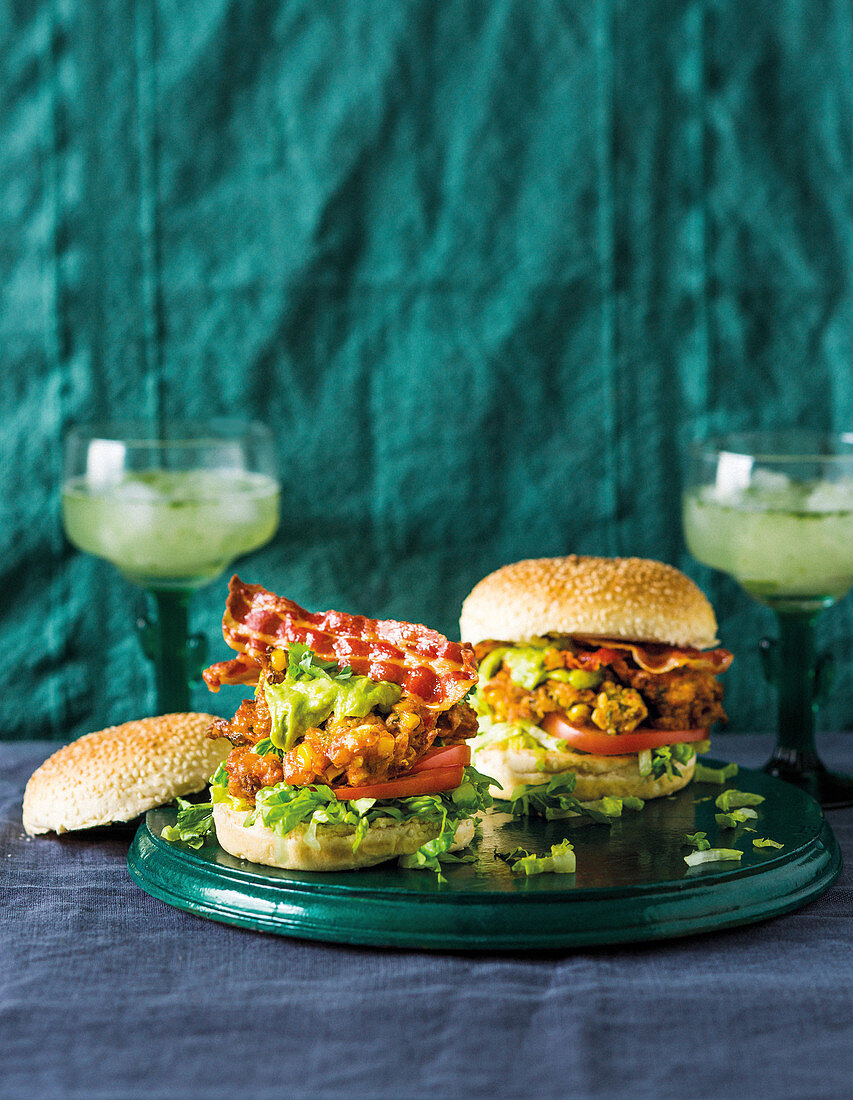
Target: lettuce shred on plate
x=735 y=818
x=706 y=774
x=699 y=841
x=733 y=799
x=282 y=807
x=713 y=855
x=561 y=860
x=704 y=853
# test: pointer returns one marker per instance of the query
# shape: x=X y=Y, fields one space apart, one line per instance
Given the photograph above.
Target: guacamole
x=296 y=704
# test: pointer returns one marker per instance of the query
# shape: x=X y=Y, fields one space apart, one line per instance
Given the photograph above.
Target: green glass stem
x=176 y=656
x=793 y=666
x=802 y=678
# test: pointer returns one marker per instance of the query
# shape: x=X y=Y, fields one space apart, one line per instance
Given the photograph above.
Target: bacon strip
x=652 y=657
x=239 y=670
x=422 y=661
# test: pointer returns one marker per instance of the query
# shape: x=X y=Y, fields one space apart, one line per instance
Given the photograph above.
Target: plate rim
x=302 y=907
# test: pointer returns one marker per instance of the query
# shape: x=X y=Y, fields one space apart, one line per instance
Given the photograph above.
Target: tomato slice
x=431 y=781
x=442 y=756
x=601 y=744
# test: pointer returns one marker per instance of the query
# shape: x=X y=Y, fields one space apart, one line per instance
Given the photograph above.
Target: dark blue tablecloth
x=105 y=992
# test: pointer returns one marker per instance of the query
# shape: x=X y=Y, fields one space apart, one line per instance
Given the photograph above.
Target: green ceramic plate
x=631 y=882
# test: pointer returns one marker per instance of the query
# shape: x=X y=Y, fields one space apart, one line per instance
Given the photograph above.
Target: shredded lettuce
x=304 y=664
x=554 y=800
x=465 y=800
x=516 y=735
x=282 y=808
x=704 y=774
x=735 y=818
x=561 y=860
x=736 y=808
x=699 y=841
x=663 y=763
x=265 y=746
x=669 y=759
x=430 y=856
x=733 y=800
x=765 y=842
x=194 y=824
x=713 y=855
x=610 y=807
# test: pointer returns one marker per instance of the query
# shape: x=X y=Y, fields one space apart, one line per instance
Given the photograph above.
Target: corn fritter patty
x=628 y=697
x=343 y=751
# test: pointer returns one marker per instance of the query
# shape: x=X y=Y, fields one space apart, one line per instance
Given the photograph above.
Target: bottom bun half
x=597 y=776
x=385 y=839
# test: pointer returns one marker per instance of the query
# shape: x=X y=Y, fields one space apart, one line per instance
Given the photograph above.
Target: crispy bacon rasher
x=422 y=661
x=653 y=657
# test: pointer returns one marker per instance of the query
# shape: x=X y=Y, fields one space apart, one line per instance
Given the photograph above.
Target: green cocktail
x=775 y=510
x=171 y=529
x=171 y=505
x=791 y=542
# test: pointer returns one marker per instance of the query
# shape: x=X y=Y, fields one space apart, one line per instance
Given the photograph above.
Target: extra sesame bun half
x=331 y=848
x=120 y=772
x=635 y=599
x=552 y=698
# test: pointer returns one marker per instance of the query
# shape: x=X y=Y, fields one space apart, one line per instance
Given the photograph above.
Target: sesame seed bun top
x=118 y=773
x=635 y=599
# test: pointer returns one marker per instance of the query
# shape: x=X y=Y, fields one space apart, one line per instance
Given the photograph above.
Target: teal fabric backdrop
x=485 y=266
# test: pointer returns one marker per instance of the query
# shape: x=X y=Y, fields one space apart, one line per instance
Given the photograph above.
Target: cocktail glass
x=775 y=510
x=171 y=506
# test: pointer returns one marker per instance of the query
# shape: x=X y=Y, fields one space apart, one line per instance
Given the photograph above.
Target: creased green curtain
x=486 y=267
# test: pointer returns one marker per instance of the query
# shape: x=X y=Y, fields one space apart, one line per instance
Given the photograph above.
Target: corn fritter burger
x=353 y=749
x=604 y=667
